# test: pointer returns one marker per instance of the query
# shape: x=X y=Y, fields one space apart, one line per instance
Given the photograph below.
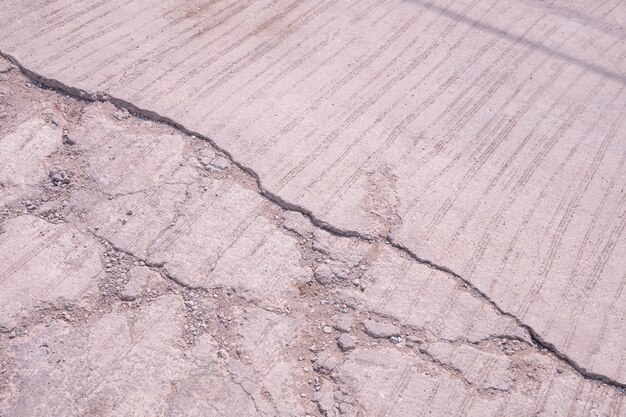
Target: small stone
x=67 y=140
x=342 y=322
x=346 y=342
x=4 y=67
x=327 y=329
x=395 y=340
x=222 y=353
x=559 y=370
x=379 y=330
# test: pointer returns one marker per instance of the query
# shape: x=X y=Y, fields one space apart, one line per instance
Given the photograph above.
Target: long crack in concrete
x=286 y=205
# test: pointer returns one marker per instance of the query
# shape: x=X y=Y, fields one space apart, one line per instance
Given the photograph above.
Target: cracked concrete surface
x=183 y=241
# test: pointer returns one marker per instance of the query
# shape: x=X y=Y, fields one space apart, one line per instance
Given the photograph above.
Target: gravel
x=59 y=176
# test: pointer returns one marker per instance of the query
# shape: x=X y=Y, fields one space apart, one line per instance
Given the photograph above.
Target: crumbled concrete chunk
x=140 y=277
x=342 y=322
x=325 y=363
x=324 y=274
x=324 y=399
x=346 y=342
x=380 y=330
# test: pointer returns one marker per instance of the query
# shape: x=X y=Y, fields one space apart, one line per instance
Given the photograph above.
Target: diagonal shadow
x=597 y=69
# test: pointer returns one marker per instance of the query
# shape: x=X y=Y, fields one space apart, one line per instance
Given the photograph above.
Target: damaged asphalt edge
x=285 y=205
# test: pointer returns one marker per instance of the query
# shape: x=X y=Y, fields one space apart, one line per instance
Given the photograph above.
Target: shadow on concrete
x=597 y=69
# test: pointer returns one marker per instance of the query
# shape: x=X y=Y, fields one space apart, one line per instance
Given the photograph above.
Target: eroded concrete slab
x=43 y=265
x=485 y=137
x=209 y=298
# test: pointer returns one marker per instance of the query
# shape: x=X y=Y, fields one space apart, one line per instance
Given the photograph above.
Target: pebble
x=327 y=329
x=66 y=138
x=4 y=67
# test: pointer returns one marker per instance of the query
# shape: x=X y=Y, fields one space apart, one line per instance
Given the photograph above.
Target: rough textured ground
x=392 y=208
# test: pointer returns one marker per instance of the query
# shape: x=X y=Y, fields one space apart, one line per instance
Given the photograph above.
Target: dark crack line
x=536 y=338
x=321 y=224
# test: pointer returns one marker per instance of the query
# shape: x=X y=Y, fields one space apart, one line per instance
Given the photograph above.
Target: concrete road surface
x=291 y=208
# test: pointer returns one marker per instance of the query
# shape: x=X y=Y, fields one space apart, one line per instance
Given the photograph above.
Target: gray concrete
x=453 y=170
